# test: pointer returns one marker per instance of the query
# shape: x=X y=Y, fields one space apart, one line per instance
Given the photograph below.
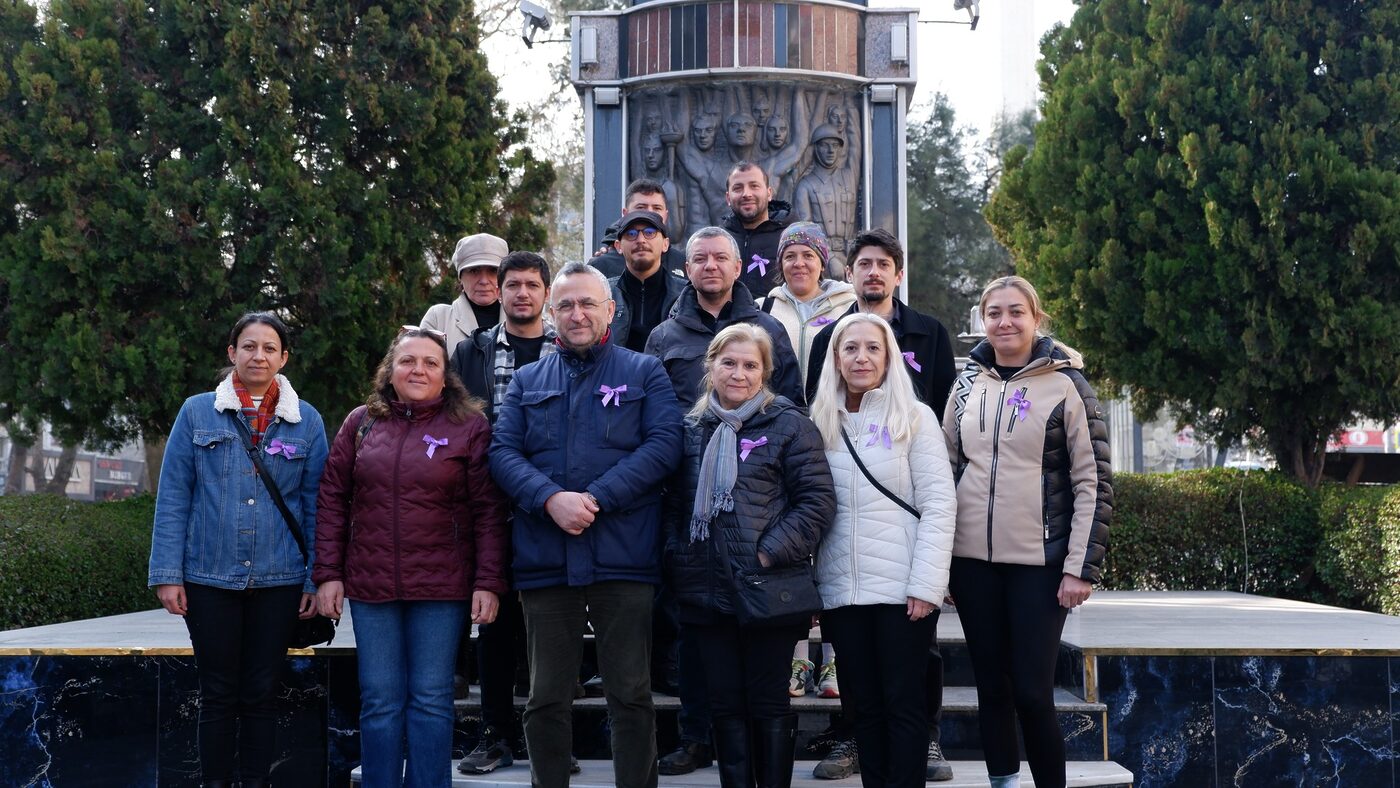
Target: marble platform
x=1194 y=689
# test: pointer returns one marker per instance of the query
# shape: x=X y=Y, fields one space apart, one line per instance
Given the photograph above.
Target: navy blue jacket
x=553 y=434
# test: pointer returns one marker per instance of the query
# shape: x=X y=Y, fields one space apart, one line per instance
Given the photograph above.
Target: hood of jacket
x=778 y=213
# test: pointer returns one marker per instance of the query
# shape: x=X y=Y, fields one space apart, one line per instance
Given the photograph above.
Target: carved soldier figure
x=705 y=193
x=826 y=195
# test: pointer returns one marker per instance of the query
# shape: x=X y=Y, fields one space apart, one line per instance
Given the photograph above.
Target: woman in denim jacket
x=223 y=556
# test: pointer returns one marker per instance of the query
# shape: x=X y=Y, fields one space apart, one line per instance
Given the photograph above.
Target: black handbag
x=309 y=631
x=774 y=596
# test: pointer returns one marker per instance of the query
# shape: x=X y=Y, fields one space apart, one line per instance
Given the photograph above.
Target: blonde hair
x=738 y=332
x=1042 y=320
x=902 y=414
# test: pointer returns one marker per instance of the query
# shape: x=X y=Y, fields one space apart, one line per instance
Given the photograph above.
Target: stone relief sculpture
x=805 y=136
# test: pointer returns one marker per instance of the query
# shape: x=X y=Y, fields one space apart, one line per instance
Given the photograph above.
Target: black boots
x=755 y=753
x=774 y=743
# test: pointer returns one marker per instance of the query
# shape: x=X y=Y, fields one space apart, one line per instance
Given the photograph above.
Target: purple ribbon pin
x=909 y=359
x=880 y=433
x=821 y=321
x=612 y=395
x=746 y=446
x=1020 y=403
x=433 y=443
x=278 y=447
x=761 y=263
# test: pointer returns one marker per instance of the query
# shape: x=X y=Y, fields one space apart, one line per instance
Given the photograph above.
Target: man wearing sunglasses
x=643 y=292
x=643 y=194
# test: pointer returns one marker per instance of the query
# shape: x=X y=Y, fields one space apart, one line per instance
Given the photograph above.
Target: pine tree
x=1212 y=211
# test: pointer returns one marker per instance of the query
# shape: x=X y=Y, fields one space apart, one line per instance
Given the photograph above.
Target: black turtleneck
x=486 y=316
x=645 y=301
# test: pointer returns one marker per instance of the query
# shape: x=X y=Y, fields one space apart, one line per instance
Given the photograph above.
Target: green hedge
x=63 y=560
x=1189 y=531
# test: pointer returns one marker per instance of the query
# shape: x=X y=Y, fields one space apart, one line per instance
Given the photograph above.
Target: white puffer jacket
x=876 y=552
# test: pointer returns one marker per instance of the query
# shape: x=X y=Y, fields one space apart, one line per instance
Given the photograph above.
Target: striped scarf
x=258 y=418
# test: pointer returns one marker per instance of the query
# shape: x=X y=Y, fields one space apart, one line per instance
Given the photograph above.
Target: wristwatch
x=594 y=500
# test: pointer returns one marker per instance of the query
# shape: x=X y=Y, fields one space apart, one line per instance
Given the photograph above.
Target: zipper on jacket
x=982 y=413
x=992 y=485
x=1045 y=505
x=854 y=517
x=398 y=549
x=1011 y=425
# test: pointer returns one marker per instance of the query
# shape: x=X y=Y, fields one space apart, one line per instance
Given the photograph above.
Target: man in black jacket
x=486 y=361
x=644 y=292
x=875 y=266
x=714 y=300
x=756 y=221
x=643 y=194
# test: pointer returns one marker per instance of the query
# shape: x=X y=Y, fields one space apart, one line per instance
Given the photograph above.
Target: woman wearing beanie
x=805 y=301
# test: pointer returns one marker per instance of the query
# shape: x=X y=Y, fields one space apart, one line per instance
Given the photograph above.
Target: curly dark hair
x=457 y=402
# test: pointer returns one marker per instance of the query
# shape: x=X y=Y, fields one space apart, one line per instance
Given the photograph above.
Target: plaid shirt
x=504 y=367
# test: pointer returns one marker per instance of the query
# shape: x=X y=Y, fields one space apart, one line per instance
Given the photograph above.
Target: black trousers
x=746 y=669
x=883 y=689
x=500 y=650
x=933 y=694
x=1013 y=622
x=240 y=642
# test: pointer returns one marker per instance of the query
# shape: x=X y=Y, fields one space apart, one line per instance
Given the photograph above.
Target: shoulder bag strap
x=256 y=457
x=883 y=490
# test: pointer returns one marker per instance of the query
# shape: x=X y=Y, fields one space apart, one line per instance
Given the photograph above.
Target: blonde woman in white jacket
x=882 y=569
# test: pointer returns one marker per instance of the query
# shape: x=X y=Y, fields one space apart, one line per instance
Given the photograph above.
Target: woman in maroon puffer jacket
x=410 y=527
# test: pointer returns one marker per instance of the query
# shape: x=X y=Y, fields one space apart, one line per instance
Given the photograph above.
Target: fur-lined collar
x=288 y=404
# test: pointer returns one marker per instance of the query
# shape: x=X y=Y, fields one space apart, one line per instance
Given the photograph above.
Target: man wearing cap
x=476 y=259
x=755 y=220
x=643 y=194
x=643 y=291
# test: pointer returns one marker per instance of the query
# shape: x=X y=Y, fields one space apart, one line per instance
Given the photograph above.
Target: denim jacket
x=215 y=523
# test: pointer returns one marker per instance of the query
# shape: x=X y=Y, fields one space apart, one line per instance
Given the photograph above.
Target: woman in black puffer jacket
x=753 y=493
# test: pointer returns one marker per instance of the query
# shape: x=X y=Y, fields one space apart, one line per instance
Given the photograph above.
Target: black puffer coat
x=783 y=505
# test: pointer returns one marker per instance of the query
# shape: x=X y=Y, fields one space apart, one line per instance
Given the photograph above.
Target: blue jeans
x=406 y=654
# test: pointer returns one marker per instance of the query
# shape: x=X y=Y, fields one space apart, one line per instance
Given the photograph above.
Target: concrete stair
x=966 y=774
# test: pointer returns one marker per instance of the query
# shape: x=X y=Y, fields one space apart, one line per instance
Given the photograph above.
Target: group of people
x=663 y=448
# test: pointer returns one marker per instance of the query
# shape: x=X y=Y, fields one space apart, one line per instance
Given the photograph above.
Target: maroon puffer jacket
x=395 y=524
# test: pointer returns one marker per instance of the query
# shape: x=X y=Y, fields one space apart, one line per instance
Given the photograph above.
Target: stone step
x=966 y=774
x=956 y=700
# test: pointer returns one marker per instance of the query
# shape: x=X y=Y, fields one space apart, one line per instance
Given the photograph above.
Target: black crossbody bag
x=903 y=504
x=309 y=631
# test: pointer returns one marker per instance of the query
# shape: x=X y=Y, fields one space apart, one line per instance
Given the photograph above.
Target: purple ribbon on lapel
x=612 y=395
x=1020 y=403
x=761 y=263
x=821 y=321
x=746 y=446
x=880 y=433
x=909 y=359
x=278 y=447
x=433 y=443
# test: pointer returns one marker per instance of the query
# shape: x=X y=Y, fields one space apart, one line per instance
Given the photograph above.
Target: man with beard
x=643 y=292
x=486 y=361
x=755 y=220
x=876 y=267
x=643 y=194
x=583 y=442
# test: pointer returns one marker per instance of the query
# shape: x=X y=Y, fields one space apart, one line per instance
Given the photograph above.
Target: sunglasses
x=646 y=232
x=439 y=334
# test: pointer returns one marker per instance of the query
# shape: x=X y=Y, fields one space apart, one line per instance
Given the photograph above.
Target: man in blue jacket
x=582 y=443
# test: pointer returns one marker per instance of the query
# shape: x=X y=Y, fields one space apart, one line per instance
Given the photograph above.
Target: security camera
x=973 y=8
x=536 y=18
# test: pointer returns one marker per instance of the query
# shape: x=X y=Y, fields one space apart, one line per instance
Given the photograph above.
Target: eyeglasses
x=587 y=305
x=648 y=233
x=439 y=334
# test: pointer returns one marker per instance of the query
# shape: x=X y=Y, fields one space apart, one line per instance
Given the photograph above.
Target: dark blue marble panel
x=962 y=740
x=343 y=719
x=1160 y=720
x=79 y=721
x=178 y=727
x=1320 y=722
x=302 y=712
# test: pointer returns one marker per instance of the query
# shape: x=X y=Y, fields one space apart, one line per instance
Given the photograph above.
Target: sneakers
x=491 y=753
x=827 y=686
x=800 y=679
x=938 y=767
x=840 y=763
